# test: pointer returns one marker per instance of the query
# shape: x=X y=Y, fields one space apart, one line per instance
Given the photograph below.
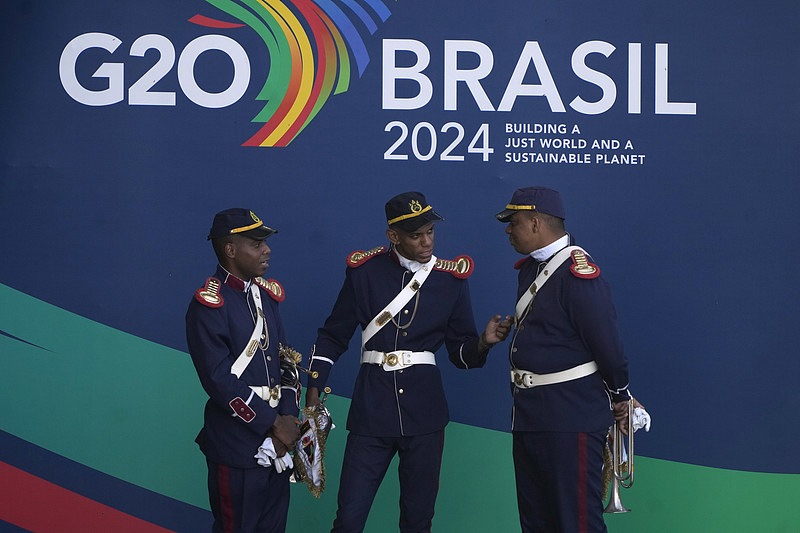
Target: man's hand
x=621 y=414
x=280 y=448
x=312 y=397
x=286 y=430
x=496 y=331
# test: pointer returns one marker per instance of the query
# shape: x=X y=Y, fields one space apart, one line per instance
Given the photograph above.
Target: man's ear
x=392 y=236
x=536 y=224
x=230 y=250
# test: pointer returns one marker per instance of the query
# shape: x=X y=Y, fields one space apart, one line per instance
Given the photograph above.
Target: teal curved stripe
x=131 y=408
x=101 y=397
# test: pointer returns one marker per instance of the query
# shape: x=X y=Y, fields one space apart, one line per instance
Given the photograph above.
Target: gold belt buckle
x=391 y=359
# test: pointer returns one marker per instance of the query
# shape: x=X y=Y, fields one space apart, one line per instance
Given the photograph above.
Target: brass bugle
x=620 y=478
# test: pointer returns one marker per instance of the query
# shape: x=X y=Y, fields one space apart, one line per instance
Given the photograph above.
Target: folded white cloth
x=641 y=419
x=267 y=456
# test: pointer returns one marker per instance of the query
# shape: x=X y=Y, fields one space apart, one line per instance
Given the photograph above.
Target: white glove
x=267 y=456
x=641 y=419
x=266 y=452
x=283 y=463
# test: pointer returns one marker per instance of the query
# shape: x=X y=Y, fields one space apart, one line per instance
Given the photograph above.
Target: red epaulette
x=581 y=267
x=274 y=288
x=460 y=267
x=359 y=257
x=209 y=294
x=521 y=262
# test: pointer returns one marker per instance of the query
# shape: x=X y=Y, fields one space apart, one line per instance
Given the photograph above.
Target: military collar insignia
x=581 y=267
x=209 y=293
x=273 y=288
x=360 y=257
x=460 y=267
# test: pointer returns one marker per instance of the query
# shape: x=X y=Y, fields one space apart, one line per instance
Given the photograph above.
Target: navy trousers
x=559 y=481
x=248 y=500
x=366 y=460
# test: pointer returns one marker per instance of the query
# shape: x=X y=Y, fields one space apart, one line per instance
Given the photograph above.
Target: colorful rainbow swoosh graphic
x=308 y=45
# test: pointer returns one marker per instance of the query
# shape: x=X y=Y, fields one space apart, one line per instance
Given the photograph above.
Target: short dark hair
x=218 y=243
x=554 y=224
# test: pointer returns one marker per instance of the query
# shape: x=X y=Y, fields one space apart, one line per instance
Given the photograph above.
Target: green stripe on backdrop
x=131 y=408
x=117 y=403
x=477 y=493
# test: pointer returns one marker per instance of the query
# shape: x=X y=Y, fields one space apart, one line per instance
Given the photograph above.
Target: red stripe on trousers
x=39 y=506
x=438 y=479
x=225 y=499
x=583 y=519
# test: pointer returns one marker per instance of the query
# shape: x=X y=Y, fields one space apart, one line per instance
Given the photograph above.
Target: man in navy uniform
x=569 y=375
x=407 y=304
x=235 y=338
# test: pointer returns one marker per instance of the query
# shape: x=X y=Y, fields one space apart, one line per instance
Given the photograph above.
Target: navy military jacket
x=410 y=401
x=216 y=336
x=571 y=321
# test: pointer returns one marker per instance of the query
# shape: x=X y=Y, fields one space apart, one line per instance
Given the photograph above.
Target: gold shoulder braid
x=360 y=257
x=272 y=287
x=461 y=267
x=209 y=293
x=581 y=267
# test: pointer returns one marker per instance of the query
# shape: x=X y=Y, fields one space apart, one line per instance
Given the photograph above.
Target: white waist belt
x=526 y=380
x=397 y=360
x=273 y=395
